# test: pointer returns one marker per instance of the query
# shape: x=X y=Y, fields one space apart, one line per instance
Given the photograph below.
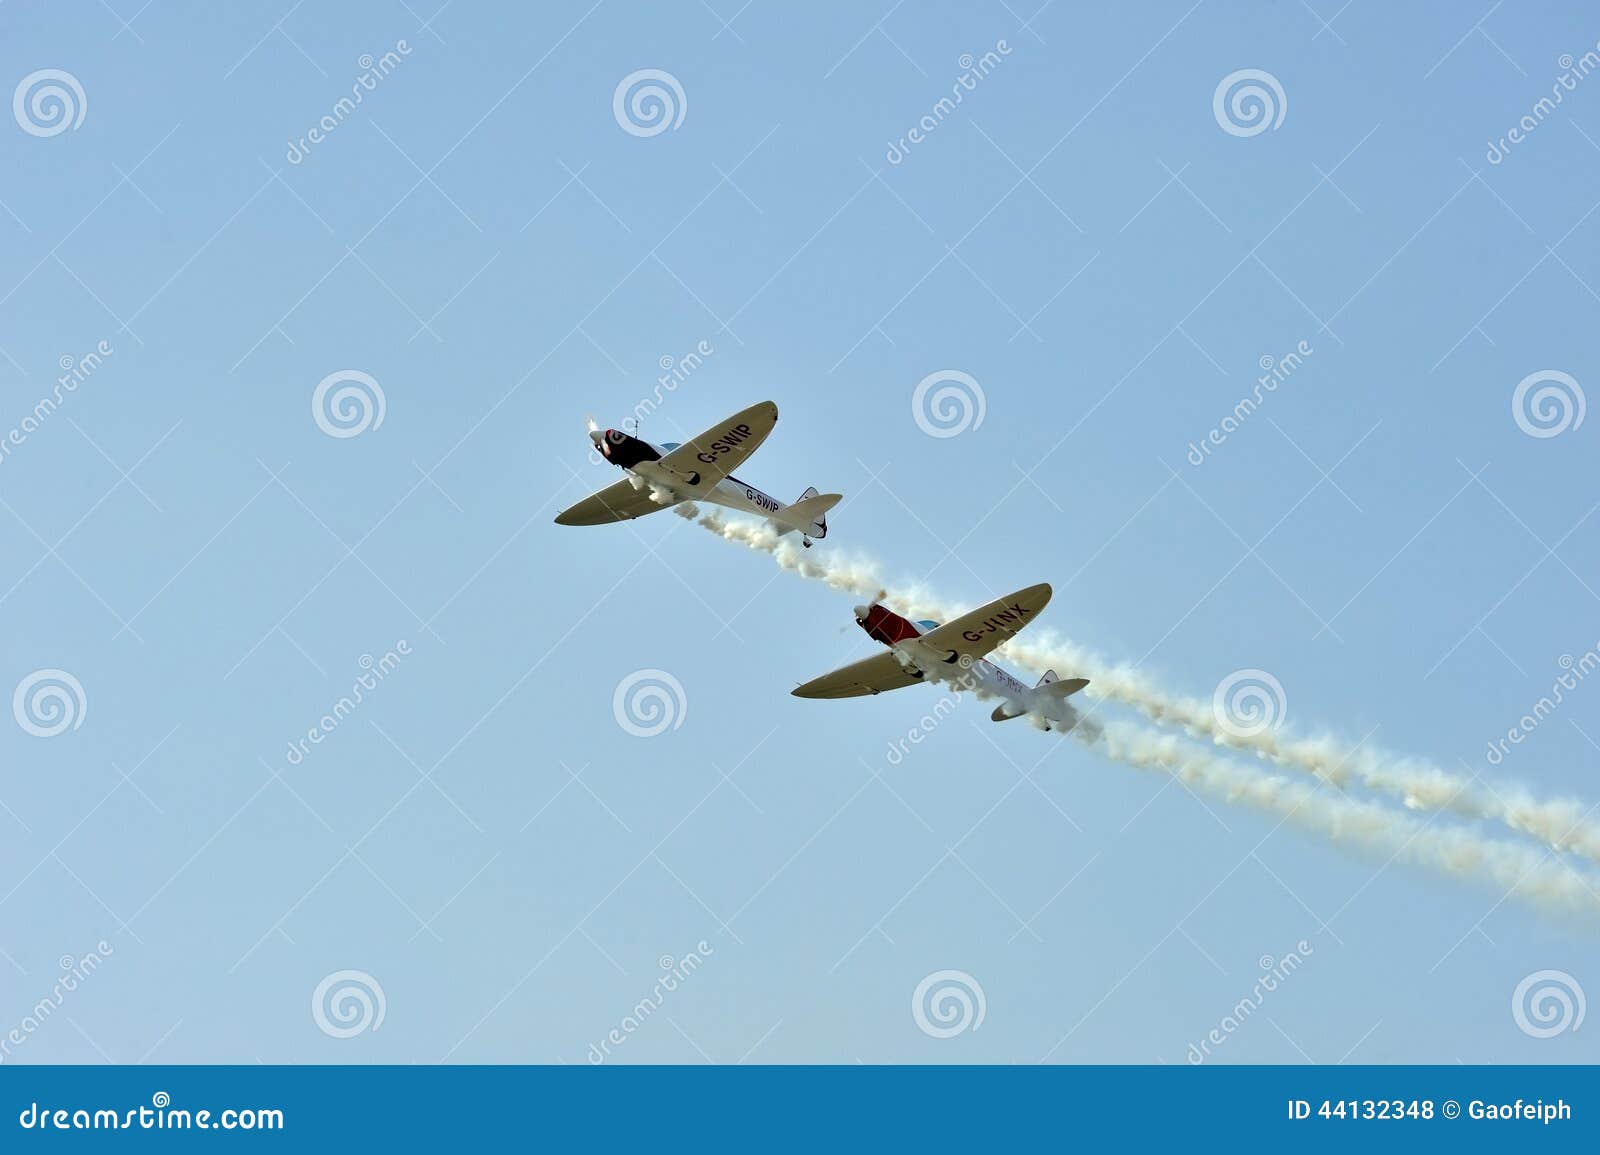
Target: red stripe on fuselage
x=888 y=627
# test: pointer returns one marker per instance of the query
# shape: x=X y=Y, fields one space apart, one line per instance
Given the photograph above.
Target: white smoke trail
x=838 y=573
x=1562 y=823
x=1519 y=869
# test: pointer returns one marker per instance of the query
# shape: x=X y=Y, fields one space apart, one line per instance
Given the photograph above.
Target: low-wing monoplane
x=954 y=653
x=700 y=469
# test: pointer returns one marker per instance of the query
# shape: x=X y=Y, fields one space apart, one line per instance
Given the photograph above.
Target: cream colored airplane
x=954 y=653
x=701 y=469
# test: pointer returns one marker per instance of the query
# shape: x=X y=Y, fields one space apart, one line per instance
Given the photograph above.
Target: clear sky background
x=483 y=237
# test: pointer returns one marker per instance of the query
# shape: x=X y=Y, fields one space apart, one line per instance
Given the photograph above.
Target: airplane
x=954 y=653
x=700 y=469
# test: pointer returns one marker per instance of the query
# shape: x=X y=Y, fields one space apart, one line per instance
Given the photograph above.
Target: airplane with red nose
x=954 y=654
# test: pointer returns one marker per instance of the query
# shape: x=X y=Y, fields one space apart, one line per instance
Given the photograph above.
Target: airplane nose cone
x=861 y=613
x=597 y=437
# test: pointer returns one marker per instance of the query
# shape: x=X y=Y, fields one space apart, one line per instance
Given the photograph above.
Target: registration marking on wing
x=1008 y=620
x=725 y=443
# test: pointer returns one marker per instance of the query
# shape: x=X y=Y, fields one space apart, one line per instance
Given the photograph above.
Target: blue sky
x=485 y=240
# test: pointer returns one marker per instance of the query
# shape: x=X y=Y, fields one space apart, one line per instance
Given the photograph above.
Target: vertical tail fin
x=1049 y=676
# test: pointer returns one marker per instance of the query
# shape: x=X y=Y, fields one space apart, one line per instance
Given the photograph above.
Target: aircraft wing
x=975 y=633
x=869 y=676
x=701 y=462
x=619 y=502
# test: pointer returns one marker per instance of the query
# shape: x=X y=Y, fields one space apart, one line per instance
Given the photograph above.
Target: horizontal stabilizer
x=1061 y=687
x=1002 y=714
x=809 y=515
